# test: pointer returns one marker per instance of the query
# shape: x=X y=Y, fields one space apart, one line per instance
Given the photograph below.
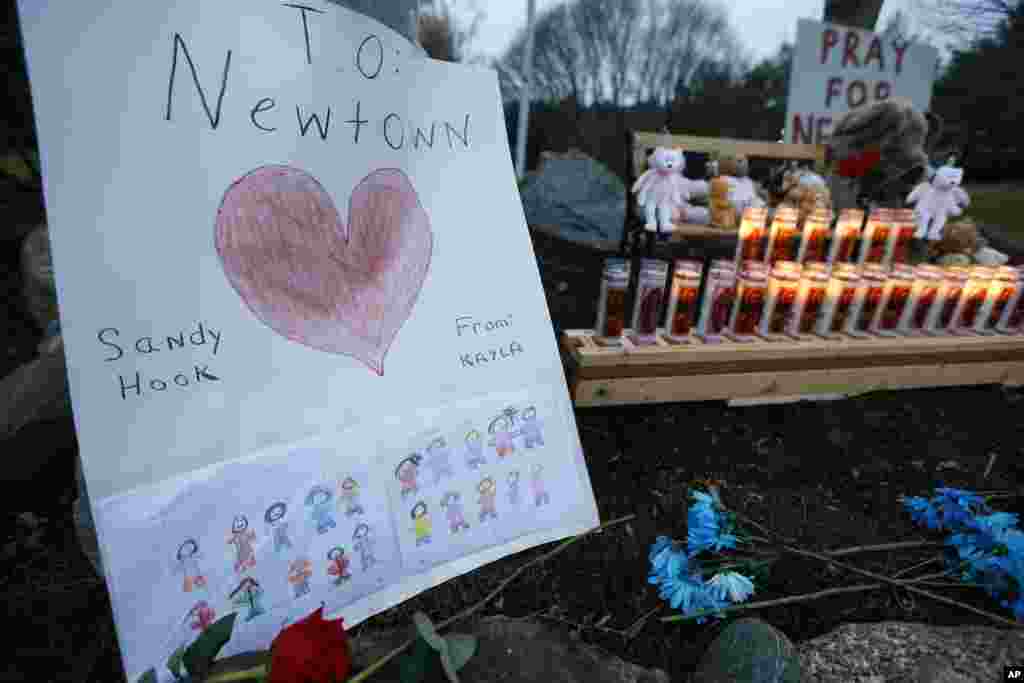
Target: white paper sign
x=309 y=352
x=838 y=68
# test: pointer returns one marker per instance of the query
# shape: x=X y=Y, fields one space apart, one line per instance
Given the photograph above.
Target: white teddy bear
x=934 y=202
x=663 y=191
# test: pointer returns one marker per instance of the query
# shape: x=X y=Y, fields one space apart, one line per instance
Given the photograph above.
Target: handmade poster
x=309 y=353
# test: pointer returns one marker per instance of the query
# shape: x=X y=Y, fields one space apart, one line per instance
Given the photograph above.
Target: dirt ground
x=827 y=474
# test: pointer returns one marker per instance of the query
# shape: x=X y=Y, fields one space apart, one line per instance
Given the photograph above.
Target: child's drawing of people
x=488 y=492
x=337 y=565
x=248 y=594
x=407 y=472
x=242 y=537
x=363 y=541
x=474 y=449
x=299 y=573
x=532 y=436
x=439 y=459
x=319 y=503
x=451 y=503
x=422 y=524
x=274 y=517
x=188 y=564
x=540 y=492
x=348 y=495
x=503 y=441
x=202 y=615
x=512 y=479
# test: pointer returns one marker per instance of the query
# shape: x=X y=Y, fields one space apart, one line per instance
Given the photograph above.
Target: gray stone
x=514 y=651
x=578 y=196
x=749 y=651
x=902 y=651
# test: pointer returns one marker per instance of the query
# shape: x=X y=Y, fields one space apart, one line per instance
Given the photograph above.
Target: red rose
x=311 y=650
x=859 y=164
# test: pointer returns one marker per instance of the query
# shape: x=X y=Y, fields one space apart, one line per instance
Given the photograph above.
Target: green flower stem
x=256 y=672
x=804 y=597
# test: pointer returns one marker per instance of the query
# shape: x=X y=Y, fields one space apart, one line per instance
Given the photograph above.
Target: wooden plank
x=749 y=148
x=753 y=355
x=633 y=390
x=683 y=231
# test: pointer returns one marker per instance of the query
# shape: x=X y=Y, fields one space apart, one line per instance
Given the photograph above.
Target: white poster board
x=837 y=68
x=309 y=352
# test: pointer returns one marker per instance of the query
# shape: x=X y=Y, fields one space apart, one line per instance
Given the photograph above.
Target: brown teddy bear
x=806 y=191
x=958 y=245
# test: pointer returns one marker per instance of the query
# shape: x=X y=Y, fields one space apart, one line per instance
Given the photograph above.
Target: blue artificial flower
x=992 y=528
x=705 y=533
x=922 y=512
x=958 y=506
x=732 y=585
x=668 y=559
x=1018 y=608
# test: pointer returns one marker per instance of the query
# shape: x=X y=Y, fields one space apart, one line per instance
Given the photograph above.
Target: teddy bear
x=806 y=191
x=936 y=201
x=664 y=193
x=958 y=245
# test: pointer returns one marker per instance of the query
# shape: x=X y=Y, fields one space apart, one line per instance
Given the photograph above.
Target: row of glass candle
x=885 y=239
x=792 y=301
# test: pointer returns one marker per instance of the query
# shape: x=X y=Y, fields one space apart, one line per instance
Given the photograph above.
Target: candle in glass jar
x=782 y=238
x=810 y=301
x=895 y=298
x=846 y=236
x=1002 y=288
x=973 y=301
x=783 y=287
x=840 y=297
x=682 y=301
x=940 y=318
x=1013 y=315
x=750 y=241
x=902 y=235
x=650 y=295
x=747 y=310
x=815 y=236
x=611 y=303
x=868 y=300
x=716 y=303
x=924 y=295
x=874 y=246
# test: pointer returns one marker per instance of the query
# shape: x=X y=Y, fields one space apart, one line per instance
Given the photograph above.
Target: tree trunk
x=855 y=13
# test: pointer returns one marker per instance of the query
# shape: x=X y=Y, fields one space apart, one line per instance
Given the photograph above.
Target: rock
x=902 y=651
x=514 y=651
x=578 y=196
x=749 y=650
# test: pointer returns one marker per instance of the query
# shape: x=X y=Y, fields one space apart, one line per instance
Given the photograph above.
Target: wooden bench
x=639 y=145
x=771 y=371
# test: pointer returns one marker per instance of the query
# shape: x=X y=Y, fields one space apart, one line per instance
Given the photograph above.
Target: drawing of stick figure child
x=407 y=471
x=501 y=428
x=319 y=503
x=248 y=594
x=540 y=493
x=338 y=565
x=188 y=564
x=438 y=459
x=242 y=538
x=274 y=517
x=202 y=615
x=531 y=428
x=452 y=505
x=474 y=450
x=488 y=492
x=422 y=524
x=513 y=487
x=348 y=494
x=363 y=541
x=299 y=572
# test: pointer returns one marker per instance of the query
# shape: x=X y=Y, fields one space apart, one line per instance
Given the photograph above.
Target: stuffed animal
x=806 y=191
x=664 y=193
x=743 y=192
x=934 y=202
x=958 y=245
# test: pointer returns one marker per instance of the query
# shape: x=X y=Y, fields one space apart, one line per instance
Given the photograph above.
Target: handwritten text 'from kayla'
x=135 y=385
x=370 y=63
x=467 y=326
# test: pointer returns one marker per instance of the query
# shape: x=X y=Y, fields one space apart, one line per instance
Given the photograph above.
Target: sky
x=762 y=25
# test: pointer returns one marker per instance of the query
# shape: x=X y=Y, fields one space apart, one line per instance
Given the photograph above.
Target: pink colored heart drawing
x=314 y=280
